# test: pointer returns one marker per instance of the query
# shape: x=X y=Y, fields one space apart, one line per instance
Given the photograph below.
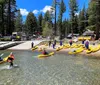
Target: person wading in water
x=10 y=59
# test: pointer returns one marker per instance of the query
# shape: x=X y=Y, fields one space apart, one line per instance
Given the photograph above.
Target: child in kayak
x=44 y=52
x=10 y=59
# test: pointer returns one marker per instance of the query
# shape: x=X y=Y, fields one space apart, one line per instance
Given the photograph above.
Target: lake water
x=59 y=69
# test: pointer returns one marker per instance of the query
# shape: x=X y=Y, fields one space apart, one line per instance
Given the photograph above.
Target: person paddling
x=44 y=52
x=10 y=59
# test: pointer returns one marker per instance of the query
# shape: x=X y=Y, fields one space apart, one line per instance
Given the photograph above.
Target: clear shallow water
x=56 y=70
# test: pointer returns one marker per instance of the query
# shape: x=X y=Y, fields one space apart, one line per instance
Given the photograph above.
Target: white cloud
x=46 y=8
x=77 y=13
x=24 y=12
x=35 y=11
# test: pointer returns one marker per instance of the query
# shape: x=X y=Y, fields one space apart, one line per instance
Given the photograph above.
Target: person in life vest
x=87 y=44
x=44 y=52
x=61 y=43
x=10 y=59
x=70 y=42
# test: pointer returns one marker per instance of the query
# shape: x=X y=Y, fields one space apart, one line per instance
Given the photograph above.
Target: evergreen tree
x=92 y=15
x=40 y=18
x=18 y=22
x=61 y=11
x=97 y=19
x=31 y=24
x=47 y=16
x=82 y=21
x=73 y=11
x=11 y=10
x=2 y=2
x=47 y=30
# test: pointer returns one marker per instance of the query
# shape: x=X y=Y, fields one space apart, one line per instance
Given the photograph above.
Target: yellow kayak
x=66 y=46
x=43 y=56
x=34 y=48
x=59 y=48
x=76 y=51
x=95 y=48
x=4 y=60
x=89 y=50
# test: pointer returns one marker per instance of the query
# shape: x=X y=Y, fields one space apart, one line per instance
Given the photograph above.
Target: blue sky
x=37 y=6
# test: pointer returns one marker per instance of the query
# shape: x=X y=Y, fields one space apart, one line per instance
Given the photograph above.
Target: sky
x=38 y=6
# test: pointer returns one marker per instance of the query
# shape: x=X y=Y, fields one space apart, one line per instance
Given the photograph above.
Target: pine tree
x=18 y=22
x=97 y=19
x=82 y=20
x=2 y=2
x=47 y=16
x=40 y=18
x=47 y=29
x=31 y=24
x=73 y=10
x=62 y=9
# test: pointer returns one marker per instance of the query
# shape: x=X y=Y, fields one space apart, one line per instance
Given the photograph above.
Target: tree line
x=78 y=22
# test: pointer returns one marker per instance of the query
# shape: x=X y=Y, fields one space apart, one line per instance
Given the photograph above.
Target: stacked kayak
x=43 y=56
x=35 y=47
x=79 y=50
x=4 y=60
x=59 y=48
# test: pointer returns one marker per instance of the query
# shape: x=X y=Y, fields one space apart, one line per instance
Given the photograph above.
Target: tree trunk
x=2 y=20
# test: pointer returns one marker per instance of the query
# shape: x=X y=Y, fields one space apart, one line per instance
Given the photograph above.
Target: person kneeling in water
x=10 y=59
x=45 y=52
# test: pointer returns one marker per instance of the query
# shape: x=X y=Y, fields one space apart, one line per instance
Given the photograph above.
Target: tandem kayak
x=4 y=60
x=43 y=56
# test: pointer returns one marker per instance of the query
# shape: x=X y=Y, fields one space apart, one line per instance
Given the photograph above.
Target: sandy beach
x=40 y=44
x=65 y=51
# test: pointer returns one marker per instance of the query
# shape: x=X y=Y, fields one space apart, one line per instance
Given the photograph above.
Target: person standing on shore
x=49 y=43
x=53 y=45
x=83 y=41
x=61 y=43
x=32 y=44
x=87 y=44
x=70 y=42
